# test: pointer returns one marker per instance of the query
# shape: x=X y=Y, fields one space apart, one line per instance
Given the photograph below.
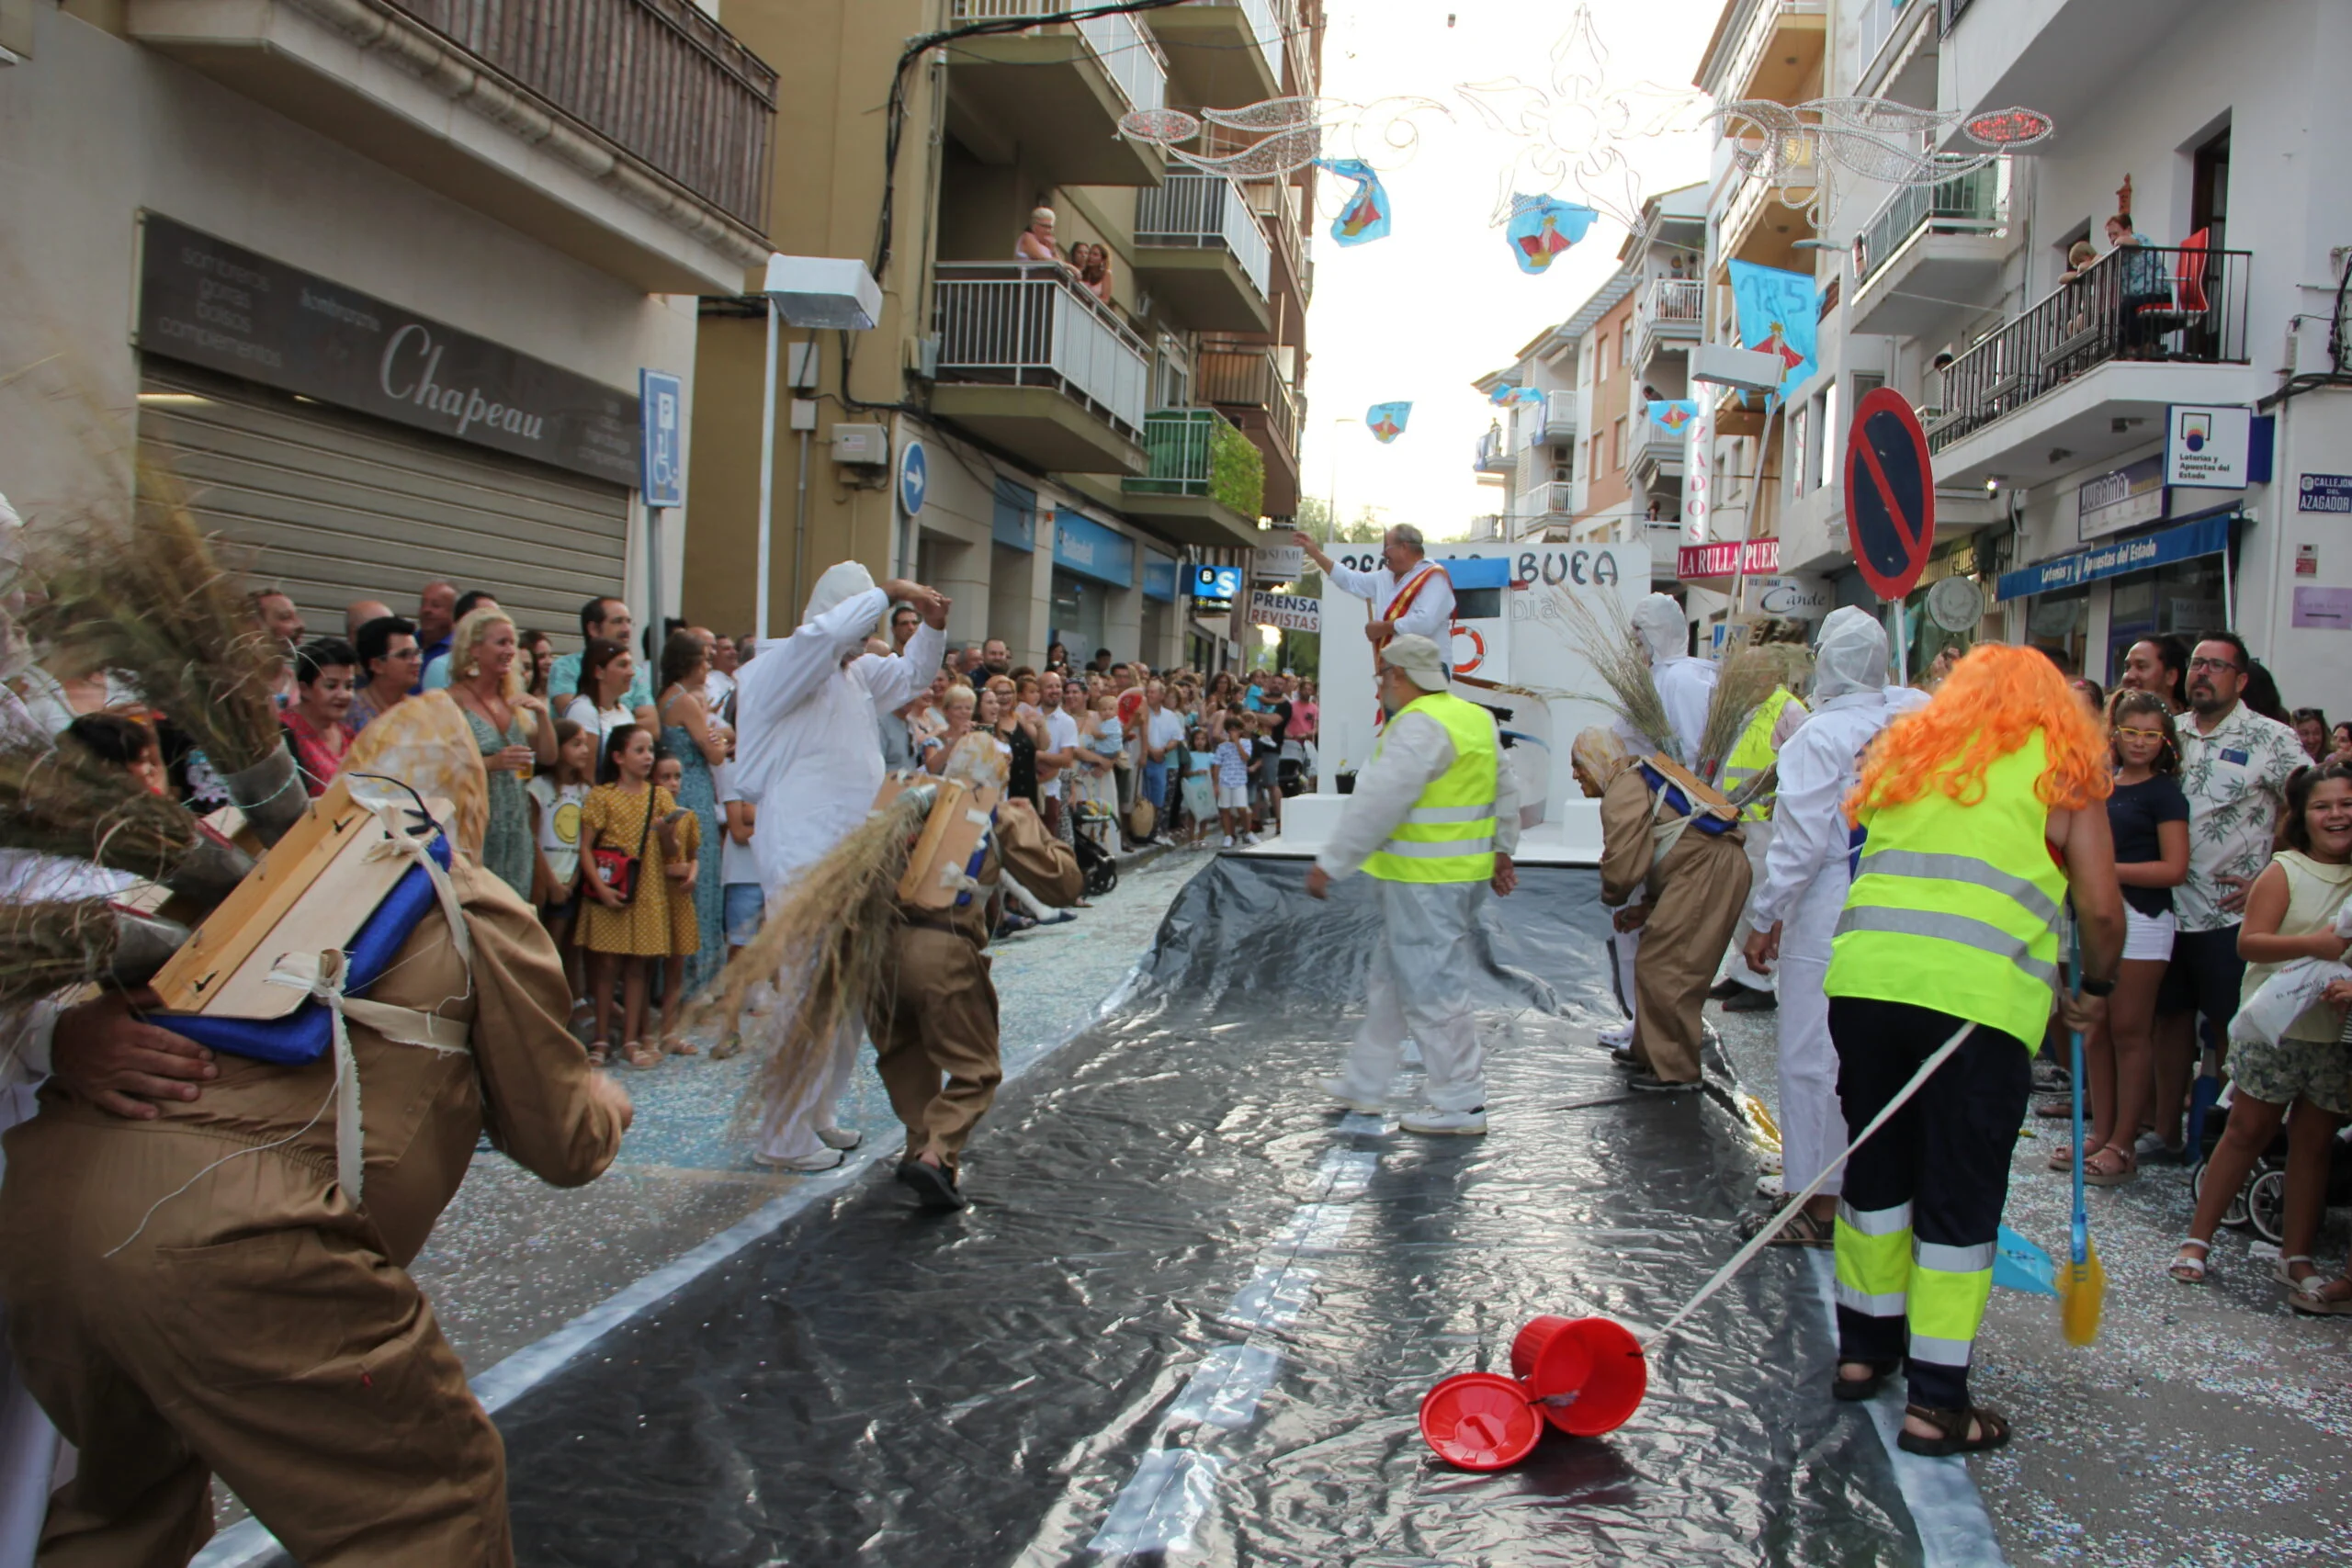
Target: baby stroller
x=1094 y=828
x=2261 y=1205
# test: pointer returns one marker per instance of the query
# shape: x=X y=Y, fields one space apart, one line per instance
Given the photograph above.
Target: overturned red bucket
x=1587 y=1375
x=1480 y=1421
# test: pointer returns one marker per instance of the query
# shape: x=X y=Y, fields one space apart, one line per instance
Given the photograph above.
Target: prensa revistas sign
x=211 y=303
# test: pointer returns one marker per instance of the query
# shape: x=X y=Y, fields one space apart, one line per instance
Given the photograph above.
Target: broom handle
x=1763 y=1237
x=2080 y=1225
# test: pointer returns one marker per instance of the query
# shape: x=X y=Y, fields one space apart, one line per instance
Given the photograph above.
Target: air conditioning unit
x=861 y=446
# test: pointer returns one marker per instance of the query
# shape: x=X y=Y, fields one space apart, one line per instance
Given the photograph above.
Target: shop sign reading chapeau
x=218 y=305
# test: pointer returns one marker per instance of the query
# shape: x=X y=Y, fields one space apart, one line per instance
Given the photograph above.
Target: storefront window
x=2184 y=600
x=1078 y=615
x=2060 y=623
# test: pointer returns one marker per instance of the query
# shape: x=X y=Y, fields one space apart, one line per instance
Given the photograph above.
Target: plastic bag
x=2284 y=998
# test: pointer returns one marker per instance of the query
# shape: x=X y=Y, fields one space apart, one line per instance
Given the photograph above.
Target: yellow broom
x=2083 y=1289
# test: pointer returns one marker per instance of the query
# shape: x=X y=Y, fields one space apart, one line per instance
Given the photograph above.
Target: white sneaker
x=840 y=1137
x=1617 y=1036
x=824 y=1159
x=1771 y=1189
x=1458 y=1124
x=1252 y=839
x=1229 y=841
x=1353 y=1098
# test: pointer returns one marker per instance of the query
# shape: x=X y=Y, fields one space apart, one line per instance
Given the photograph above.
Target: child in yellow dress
x=681 y=836
x=622 y=934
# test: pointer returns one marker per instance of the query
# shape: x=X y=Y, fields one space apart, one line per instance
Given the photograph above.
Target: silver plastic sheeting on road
x=1193 y=1311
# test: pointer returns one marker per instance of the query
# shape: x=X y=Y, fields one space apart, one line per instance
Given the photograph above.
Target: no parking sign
x=1890 y=493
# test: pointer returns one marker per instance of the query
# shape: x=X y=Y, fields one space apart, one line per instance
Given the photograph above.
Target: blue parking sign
x=661 y=465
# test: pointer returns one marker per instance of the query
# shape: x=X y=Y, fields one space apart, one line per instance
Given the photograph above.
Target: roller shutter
x=334 y=507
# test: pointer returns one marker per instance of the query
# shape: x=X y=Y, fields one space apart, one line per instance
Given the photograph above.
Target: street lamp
x=815 y=293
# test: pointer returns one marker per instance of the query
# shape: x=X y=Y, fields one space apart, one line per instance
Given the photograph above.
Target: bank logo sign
x=205 y=301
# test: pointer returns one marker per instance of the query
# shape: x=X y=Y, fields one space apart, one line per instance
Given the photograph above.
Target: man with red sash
x=1410 y=596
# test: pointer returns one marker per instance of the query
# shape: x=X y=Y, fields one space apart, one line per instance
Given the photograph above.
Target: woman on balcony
x=1036 y=243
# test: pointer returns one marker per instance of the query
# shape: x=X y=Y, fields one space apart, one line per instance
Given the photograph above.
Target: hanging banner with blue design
x=1364 y=217
x=1778 y=313
x=1386 y=421
x=1674 y=413
x=1509 y=396
x=1540 y=226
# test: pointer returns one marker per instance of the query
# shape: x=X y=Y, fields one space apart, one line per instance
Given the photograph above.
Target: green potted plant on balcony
x=1237 y=471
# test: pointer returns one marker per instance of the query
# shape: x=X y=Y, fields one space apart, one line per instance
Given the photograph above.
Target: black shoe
x=1752 y=1000
x=1658 y=1084
x=1723 y=990
x=934 y=1186
x=1623 y=1057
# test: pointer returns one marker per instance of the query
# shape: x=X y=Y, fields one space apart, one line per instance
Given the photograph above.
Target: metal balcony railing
x=1975 y=202
x=1951 y=13
x=1267 y=29
x=1249 y=379
x=1126 y=51
x=1654 y=443
x=1197 y=210
x=1761 y=28
x=1555 y=498
x=1021 y=324
x=657 y=78
x=1559 y=418
x=1179 y=452
x=1674 y=302
x=1494 y=455
x=1875 y=23
x=2182 y=304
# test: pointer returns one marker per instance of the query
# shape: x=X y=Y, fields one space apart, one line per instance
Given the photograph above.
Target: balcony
x=1658 y=452
x=1488 y=525
x=1559 y=425
x=1494 y=453
x=1280 y=210
x=1667 y=316
x=1052 y=97
x=1933 y=254
x=1039 y=367
x=632 y=135
x=1246 y=384
x=1199 y=249
x=2062 y=57
x=2087 y=372
x=1204 y=482
x=1550 y=501
x=1758 y=224
x=1779 y=56
x=1223 y=52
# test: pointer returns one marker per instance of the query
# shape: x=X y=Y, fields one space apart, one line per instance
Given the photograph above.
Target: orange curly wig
x=1988 y=707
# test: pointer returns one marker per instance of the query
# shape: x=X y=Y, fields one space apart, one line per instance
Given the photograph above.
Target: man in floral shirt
x=2233 y=767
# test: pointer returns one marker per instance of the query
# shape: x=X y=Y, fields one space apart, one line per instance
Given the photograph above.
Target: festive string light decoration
x=1799 y=150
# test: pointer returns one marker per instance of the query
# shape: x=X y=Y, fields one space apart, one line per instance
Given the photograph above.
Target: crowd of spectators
x=619 y=753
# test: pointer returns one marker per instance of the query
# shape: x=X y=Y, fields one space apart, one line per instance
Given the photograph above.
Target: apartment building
x=2048 y=397
x=1076 y=453
x=1530 y=452
x=372 y=284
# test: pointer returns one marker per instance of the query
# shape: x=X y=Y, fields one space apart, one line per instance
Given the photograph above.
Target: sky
x=1419 y=315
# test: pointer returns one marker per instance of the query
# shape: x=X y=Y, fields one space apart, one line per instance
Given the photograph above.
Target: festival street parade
x=1031 y=784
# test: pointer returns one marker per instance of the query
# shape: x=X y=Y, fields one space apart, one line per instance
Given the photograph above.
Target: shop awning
x=2206 y=537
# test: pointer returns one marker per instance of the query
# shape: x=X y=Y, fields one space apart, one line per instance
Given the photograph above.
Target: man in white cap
x=1410 y=595
x=1433 y=820
x=809 y=754
x=1806 y=873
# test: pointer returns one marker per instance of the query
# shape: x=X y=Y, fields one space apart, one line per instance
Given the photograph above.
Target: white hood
x=1659 y=624
x=839 y=585
x=1850 y=656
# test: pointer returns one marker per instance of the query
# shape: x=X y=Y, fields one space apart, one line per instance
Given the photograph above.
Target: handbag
x=618 y=871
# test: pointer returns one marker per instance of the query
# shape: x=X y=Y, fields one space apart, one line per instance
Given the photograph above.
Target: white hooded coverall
x=1807 y=874
x=808 y=751
x=1418 y=977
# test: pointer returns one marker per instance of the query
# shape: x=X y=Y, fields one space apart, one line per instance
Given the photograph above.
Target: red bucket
x=1479 y=1421
x=1592 y=1366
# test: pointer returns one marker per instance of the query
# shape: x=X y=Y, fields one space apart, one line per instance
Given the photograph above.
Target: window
x=1617 y=443
x=1601 y=351
x=1801 y=427
x=1622 y=335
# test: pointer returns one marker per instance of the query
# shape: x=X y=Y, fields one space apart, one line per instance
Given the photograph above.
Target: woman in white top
x=1036 y=243
x=606 y=668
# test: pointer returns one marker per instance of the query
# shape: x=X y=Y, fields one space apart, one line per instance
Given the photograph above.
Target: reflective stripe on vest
x=1755 y=753
x=1954 y=907
x=1449 y=835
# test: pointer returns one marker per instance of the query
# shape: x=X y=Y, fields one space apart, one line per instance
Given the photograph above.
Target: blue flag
x=1777 y=313
x=1506 y=396
x=2018 y=1265
x=1674 y=414
x=1364 y=217
x=1540 y=226
x=1386 y=421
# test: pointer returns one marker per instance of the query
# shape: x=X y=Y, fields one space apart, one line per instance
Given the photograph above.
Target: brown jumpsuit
x=938 y=1013
x=259 y=1327
x=1694 y=901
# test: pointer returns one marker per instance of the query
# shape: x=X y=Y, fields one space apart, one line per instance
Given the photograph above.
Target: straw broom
x=53 y=945
x=1616 y=656
x=69 y=801
x=828 y=946
x=1746 y=679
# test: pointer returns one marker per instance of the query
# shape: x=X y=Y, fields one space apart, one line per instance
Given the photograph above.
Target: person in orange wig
x=1982 y=816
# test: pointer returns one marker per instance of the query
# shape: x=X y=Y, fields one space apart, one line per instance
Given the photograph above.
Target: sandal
x=2186 y=1269
x=1855 y=1390
x=1952 y=1427
x=2063 y=1160
x=599 y=1053
x=639 y=1055
x=2331 y=1298
x=731 y=1045
x=2054 y=1106
x=1804 y=1229
x=2098 y=1174
x=677 y=1046
x=2283 y=1270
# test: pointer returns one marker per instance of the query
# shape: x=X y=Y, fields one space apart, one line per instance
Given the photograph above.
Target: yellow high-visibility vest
x=1956 y=907
x=1755 y=752
x=1449 y=836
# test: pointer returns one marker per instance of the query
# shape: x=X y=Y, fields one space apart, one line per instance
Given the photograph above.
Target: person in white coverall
x=808 y=753
x=1806 y=874
x=1433 y=820
x=1685 y=687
